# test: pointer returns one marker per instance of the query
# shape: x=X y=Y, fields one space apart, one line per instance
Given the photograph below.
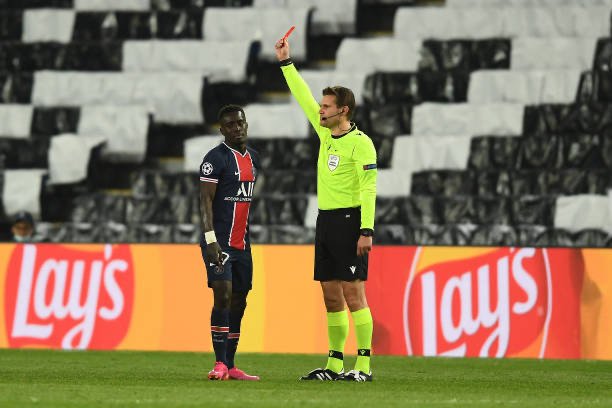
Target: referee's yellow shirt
x=346 y=168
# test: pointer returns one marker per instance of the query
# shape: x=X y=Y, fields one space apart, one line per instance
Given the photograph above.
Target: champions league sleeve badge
x=206 y=168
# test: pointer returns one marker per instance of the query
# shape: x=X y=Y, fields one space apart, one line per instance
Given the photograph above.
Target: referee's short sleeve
x=211 y=167
x=365 y=153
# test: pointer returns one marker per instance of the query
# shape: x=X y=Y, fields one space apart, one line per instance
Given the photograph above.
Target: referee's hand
x=282 y=49
x=364 y=245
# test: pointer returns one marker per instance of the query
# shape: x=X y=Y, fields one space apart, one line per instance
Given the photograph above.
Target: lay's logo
x=70 y=298
x=493 y=305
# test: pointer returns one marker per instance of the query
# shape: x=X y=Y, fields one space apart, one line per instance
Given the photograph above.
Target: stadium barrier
x=445 y=301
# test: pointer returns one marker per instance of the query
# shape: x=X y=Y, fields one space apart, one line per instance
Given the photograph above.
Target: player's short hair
x=229 y=109
x=344 y=97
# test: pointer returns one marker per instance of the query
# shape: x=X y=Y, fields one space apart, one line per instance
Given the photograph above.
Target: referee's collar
x=353 y=127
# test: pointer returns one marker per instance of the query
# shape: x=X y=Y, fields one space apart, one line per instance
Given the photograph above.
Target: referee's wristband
x=366 y=232
x=210 y=237
x=284 y=62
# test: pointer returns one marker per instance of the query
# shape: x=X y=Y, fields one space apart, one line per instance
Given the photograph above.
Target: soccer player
x=227 y=175
x=346 y=194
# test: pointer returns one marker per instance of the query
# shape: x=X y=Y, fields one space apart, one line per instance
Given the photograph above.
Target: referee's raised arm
x=298 y=87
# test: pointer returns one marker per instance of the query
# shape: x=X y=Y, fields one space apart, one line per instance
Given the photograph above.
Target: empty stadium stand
x=491 y=118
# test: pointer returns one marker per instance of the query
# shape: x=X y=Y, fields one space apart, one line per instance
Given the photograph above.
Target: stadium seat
x=21 y=191
x=171 y=97
x=494 y=235
x=337 y=17
x=493 y=152
x=195 y=149
x=553 y=53
x=218 y=60
x=585 y=211
x=92 y=5
x=377 y=54
x=124 y=127
x=11 y=24
x=69 y=157
x=15 y=120
x=223 y=24
x=465 y=55
x=276 y=121
x=535 y=209
x=528 y=87
x=431 y=119
x=47 y=25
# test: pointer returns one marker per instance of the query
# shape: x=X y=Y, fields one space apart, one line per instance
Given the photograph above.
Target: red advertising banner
x=478 y=302
x=426 y=301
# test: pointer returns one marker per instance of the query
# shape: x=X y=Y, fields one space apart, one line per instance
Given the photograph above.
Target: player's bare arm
x=207 y=194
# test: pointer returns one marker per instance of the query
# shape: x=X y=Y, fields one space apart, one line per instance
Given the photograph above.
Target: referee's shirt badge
x=332 y=162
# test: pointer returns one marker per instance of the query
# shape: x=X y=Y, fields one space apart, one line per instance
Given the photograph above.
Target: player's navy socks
x=235 y=318
x=219 y=328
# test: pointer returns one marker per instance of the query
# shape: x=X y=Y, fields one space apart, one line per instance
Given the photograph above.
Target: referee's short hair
x=229 y=109
x=344 y=97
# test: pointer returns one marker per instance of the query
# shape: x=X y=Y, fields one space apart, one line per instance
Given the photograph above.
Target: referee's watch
x=366 y=232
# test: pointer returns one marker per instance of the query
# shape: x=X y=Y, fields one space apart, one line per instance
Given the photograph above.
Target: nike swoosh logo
x=236 y=173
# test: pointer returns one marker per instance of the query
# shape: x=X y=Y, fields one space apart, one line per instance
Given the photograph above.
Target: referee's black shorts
x=336 y=246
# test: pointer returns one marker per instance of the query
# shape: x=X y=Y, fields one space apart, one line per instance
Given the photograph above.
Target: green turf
x=59 y=379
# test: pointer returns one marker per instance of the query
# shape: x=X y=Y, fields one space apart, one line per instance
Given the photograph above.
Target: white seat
x=377 y=54
x=21 y=191
x=196 y=148
x=318 y=80
x=171 y=97
x=416 y=153
x=489 y=22
x=552 y=53
x=393 y=183
x=124 y=127
x=126 y=5
x=431 y=119
x=527 y=87
x=69 y=156
x=582 y=211
x=276 y=120
x=267 y=25
x=335 y=17
x=446 y=23
x=219 y=60
x=15 y=120
x=526 y=3
x=48 y=25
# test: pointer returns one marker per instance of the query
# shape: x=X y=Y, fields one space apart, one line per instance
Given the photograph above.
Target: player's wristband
x=366 y=232
x=210 y=237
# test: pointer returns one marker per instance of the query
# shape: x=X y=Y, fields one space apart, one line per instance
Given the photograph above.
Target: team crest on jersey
x=206 y=168
x=333 y=161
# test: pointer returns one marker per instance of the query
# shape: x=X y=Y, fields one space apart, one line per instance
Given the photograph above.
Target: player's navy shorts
x=238 y=269
x=336 y=246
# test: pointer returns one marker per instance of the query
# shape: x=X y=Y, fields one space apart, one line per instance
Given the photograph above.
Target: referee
x=346 y=193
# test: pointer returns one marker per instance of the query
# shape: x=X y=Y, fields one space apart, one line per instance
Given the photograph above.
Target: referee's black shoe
x=322 y=374
x=358 y=376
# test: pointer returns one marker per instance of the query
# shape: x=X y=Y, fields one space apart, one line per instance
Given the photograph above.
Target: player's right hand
x=214 y=254
x=282 y=49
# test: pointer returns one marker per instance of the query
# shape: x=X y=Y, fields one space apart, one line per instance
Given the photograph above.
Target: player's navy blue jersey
x=235 y=175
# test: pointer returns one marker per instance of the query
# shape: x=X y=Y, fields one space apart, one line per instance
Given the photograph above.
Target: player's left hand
x=364 y=245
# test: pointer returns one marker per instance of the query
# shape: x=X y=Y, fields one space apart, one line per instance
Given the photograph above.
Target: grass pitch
x=65 y=379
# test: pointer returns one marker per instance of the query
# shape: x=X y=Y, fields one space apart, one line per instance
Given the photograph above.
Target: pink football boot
x=237 y=374
x=220 y=372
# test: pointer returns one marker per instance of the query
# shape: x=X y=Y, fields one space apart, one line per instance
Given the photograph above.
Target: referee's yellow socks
x=363 y=332
x=337 y=332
